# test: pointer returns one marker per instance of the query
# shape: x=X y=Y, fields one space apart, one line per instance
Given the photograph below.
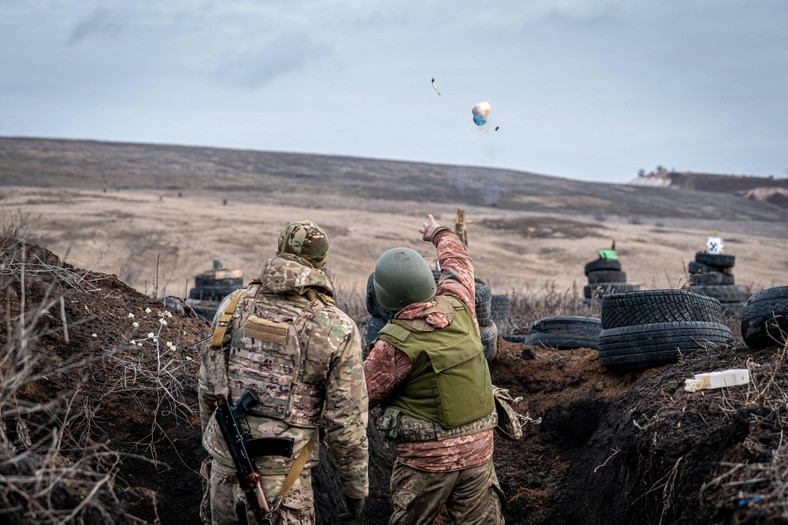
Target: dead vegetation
x=63 y=386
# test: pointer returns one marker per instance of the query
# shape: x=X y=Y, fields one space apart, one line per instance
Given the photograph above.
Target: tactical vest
x=450 y=381
x=268 y=354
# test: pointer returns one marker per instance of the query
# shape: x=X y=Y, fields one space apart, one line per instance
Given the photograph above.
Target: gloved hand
x=354 y=508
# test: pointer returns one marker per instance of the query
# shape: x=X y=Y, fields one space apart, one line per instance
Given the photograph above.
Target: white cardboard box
x=723 y=378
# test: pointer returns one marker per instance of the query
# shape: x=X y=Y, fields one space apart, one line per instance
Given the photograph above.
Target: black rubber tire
x=716 y=260
x=373 y=306
x=211 y=293
x=727 y=278
x=642 y=346
x=724 y=293
x=696 y=267
x=483 y=298
x=205 y=311
x=607 y=276
x=657 y=306
x=592 y=291
x=564 y=332
x=500 y=306
x=684 y=336
x=205 y=282
x=489 y=335
x=764 y=318
x=602 y=264
x=374 y=325
x=706 y=279
x=514 y=338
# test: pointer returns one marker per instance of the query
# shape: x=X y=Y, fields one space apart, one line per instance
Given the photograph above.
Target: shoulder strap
x=296 y=468
x=224 y=321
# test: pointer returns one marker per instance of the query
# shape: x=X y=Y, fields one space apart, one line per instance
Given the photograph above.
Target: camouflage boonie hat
x=307 y=240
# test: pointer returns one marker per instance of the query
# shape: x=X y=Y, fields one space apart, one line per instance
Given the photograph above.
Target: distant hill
x=367 y=183
x=766 y=189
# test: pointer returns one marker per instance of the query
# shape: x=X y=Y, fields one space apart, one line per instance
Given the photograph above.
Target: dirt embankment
x=610 y=448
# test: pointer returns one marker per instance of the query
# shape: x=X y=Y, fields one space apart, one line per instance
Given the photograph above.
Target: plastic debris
x=480 y=110
x=750 y=501
x=721 y=379
x=435 y=87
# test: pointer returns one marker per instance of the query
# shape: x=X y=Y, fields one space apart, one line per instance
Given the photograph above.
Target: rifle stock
x=244 y=449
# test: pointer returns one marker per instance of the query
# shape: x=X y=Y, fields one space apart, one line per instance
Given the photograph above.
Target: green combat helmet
x=403 y=277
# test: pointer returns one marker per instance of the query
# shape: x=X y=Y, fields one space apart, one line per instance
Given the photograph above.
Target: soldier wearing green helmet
x=427 y=369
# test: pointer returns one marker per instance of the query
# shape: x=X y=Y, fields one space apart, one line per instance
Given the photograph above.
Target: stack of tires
x=500 y=307
x=646 y=328
x=379 y=316
x=711 y=274
x=211 y=287
x=764 y=318
x=564 y=332
x=488 y=329
x=605 y=276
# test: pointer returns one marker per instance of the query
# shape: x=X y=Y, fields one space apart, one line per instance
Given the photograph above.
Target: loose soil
x=615 y=448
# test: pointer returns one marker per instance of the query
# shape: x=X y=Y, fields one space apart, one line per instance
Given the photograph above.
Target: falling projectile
x=435 y=87
x=480 y=112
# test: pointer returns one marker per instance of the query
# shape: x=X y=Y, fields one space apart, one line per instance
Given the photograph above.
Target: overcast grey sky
x=585 y=89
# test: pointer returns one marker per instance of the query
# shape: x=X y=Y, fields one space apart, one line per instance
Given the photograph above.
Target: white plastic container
x=723 y=378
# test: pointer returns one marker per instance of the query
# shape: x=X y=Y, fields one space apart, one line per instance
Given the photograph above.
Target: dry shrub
x=49 y=473
x=548 y=301
x=759 y=489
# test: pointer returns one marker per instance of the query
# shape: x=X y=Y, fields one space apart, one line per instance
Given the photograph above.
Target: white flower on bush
x=135 y=324
x=131 y=315
x=163 y=322
x=139 y=344
x=151 y=335
x=147 y=310
x=93 y=335
x=168 y=313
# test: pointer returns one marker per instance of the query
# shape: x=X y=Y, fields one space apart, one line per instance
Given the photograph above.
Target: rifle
x=244 y=449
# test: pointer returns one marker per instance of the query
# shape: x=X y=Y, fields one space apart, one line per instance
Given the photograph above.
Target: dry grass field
x=157 y=240
x=156 y=215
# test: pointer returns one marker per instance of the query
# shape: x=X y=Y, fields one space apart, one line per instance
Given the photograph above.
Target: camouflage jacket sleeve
x=457 y=277
x=384 y=369
x=346 y=414
x=212 y=367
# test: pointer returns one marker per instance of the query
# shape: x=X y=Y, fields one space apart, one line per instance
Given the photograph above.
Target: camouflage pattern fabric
x=330 y=362
x=228 y=502
x=305 y=239
x=404 y=428
x=472 y=496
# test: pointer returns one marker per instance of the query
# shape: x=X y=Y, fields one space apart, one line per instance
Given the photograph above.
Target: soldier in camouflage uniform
x=427 y=368
x=289 y=343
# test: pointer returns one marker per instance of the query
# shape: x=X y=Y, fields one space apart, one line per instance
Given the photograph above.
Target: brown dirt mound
x=610 y=448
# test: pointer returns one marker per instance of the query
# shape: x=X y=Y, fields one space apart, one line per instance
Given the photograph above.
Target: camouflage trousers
x=472 y=496
x=224 y=503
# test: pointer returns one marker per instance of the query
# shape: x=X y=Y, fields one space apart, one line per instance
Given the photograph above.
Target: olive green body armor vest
x=450 y=381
